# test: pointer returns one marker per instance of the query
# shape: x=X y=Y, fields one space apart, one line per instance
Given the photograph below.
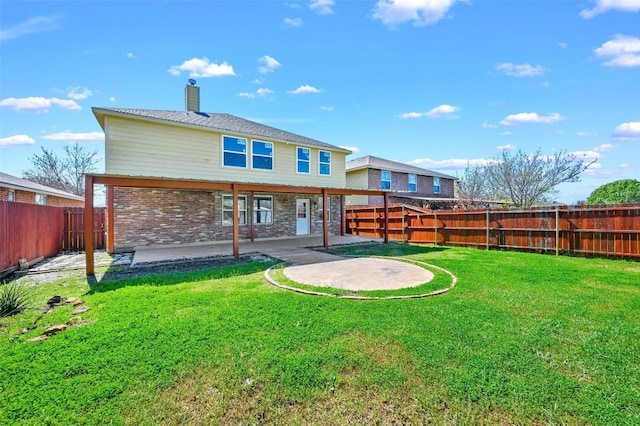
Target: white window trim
x=390 y=179
x=11 y=195
x=308 y=161
x=273 y=154
x=41 y=197
x=253 y=211
x=246 y=154
x=439 y=185
x=328 y=209
x=320 y=163
x=239 y=210
x=409 y=182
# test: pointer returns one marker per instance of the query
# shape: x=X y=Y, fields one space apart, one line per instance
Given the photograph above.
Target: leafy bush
x=14 y=298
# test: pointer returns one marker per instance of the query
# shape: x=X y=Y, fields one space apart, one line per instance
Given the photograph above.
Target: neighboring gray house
x=411 y=185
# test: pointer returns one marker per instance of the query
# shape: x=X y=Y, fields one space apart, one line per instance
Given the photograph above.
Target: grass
x=522 y=339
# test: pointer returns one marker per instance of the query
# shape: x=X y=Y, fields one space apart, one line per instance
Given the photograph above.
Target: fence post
x=557 y=231
x=403 y=240
x=435 y=228
x=375 y=222
x=488 y=227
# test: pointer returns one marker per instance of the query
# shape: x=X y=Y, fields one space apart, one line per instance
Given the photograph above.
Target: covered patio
x=111 y=181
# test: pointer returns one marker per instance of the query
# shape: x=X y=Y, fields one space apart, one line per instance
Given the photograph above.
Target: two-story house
x=172 y=176
x=13 y=188
x=409 y=184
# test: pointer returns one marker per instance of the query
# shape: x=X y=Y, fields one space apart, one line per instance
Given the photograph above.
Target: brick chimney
x=192 y=96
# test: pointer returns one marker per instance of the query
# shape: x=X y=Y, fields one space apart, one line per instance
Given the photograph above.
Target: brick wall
x=146 y=217
x=30 y=197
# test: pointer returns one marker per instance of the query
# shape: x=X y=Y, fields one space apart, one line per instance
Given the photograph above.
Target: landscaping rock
x=55 y=329
x=78 y=302
x=74 y=320
x=54 y=300
x=80 y=309
x=38 y=338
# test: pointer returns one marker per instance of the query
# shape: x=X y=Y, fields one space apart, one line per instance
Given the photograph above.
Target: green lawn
x=522 y=339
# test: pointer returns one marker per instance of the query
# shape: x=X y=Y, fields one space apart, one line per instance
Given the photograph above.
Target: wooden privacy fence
x=73 y=239
x=593 y=230
x=31 y=231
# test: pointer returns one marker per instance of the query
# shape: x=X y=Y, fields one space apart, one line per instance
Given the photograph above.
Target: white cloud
x=531 y=117
x=451 y=164
x=17 y=140
x=421 y=12
x=263 y=92
x=79 y=93
x=627 y=131
x=603 y=6
x=406 y=115
x=269 y=64
x=520 y=70
x=30 y=26
x=322 y=7
x=508 y=147
x=586 y=134
x=545 y=84
x=38 y=104
x=75 y=137
x=623 y=165
x=486 y=125
x=131 y=55
x=506 y=133
x=563 y=45
x=353 y=149
x=604 y=147
x=302 y=90
x=294 y=22
x=621 y=51
x=441 y=111
x=202 y=67
x=587 y=155
x=112 y=99
x=326 y=108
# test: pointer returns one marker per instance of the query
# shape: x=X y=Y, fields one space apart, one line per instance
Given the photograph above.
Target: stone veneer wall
x=149 y=217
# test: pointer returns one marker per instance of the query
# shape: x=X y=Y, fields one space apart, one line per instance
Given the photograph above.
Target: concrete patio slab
x=358 y=274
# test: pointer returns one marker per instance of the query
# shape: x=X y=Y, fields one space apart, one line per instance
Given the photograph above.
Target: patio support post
x=88 y=224
x=250 y=215
x=325 y=219
x=236 y=227
x=110 y=220
x=342 y=216
x=386 y=217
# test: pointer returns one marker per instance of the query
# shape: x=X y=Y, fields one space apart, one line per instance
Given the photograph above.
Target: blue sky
x=436 y=83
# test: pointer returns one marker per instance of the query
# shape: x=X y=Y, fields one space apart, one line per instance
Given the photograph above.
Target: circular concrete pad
x=363 y=273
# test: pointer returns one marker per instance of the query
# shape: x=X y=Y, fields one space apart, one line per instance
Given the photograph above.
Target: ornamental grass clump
x=14 y=298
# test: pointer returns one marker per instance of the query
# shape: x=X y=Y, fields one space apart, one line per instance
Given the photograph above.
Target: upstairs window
x=41 y=199
x=263 y=210
x=303 y=156
x=324 y=158
x=413 y=183
x=12 y=195
x=385 y=180
x=261 y=155
x=227 y=210
x=234 y=152
x=436 y=185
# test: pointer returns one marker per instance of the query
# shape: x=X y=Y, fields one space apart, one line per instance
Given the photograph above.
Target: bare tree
x=523 y=179
x=65 y=173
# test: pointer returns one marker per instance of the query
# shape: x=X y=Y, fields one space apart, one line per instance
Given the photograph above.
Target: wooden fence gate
x=73 y=239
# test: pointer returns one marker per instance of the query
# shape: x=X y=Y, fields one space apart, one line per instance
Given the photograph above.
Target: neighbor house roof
x=215 y=121
x=371 y=162
x=13 y=182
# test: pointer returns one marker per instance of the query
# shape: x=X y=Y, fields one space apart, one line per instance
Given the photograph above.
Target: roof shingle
x=216 y=121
